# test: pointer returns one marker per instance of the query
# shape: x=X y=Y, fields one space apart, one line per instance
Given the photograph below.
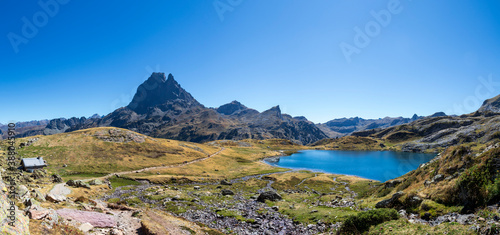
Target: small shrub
x=361 y=222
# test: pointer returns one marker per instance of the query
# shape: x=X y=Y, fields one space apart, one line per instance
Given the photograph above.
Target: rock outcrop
x=96 y=219
x=269 y=195
x=491 y=105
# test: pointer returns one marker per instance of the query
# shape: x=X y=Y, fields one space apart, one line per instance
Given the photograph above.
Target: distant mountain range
x=346 y=126
x=162 y=108
x=438 y=131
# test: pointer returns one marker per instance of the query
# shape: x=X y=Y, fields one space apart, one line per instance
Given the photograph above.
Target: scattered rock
x=268 y=195
x=392 y=183
x=96 y=182
x=22 y=191
x=86 y=227
x=225 y=182
x=120 y=207
x=32 y=203
x=38 y=174
x=55 y=198
x=227 y=192
x=78 y=184
x=413 y=201
x=196 y=187
x=38 y=195
x=437 y=178
x=38 y=214
x=465 y=219
x=392 y=202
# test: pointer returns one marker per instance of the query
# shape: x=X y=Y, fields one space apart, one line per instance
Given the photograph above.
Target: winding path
x=163 y=167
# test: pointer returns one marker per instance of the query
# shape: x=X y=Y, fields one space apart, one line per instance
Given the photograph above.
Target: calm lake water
x=376 y=165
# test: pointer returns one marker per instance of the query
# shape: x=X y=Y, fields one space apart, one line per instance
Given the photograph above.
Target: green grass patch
x=119 y=182
x=234 y=214
x=362 y=221
x=114 y=200
x=364 y=188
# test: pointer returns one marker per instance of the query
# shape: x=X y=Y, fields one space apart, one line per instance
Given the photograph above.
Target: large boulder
x=56 y=178
x=226 y=192
x=78 y=184
x=269 y=195
x=392 y=202
x=38 y=174
x=38 y=214
x=437 y=178
x=22 y=191
x=95 y=182
x=55 y=198
x=38 y=195
x=96 y=219
x=392 y=183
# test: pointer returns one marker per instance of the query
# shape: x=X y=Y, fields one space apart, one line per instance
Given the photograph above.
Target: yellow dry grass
x=84 y=153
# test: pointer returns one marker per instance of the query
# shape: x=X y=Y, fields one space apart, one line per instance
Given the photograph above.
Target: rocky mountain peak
x=491 y=105
x=158 y=77
x=231 y=108
x=274 y=111
x=156 y=90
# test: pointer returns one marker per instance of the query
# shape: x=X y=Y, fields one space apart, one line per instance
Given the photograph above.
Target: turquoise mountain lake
x=376 y=165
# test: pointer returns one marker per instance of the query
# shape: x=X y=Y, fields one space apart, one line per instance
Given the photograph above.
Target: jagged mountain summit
x=158 y=90
x=162 y=108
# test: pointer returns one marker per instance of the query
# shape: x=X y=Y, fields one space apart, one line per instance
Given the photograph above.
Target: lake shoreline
x=391 y=164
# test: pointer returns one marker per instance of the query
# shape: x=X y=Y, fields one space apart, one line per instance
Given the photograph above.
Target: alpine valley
x=166 y=164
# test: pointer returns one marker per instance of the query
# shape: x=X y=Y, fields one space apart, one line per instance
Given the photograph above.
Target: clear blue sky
x=87 y=57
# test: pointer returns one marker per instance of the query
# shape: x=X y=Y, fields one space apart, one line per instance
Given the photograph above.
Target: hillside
x=216 y=186
x=107 y=149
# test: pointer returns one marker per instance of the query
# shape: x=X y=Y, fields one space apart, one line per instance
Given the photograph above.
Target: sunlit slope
x=108 y=150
